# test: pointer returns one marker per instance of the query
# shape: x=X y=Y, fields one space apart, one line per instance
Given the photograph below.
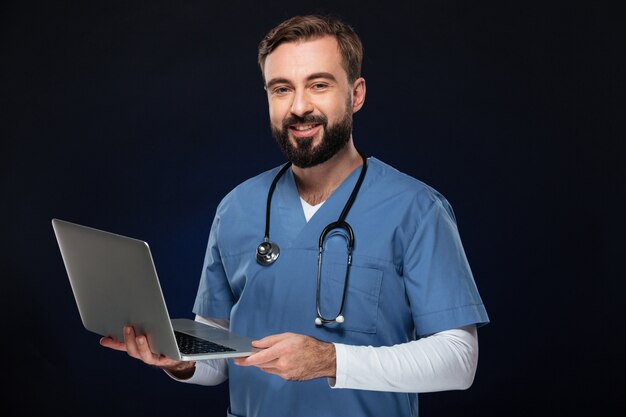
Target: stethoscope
x=267 y=252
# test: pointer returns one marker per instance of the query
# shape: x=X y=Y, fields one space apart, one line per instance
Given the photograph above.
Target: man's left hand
x=293 y=356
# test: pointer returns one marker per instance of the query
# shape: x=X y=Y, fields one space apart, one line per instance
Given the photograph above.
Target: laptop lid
x=115 y=283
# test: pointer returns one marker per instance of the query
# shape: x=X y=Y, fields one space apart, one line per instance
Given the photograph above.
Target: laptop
x=115 y=283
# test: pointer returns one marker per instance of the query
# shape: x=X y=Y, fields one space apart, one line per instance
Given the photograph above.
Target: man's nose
x=301 y=105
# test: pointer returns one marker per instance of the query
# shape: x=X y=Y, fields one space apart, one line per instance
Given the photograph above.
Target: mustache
x=304 y=120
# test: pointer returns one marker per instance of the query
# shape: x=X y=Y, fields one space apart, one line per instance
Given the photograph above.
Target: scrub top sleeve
x=439 y=281
x=214 y=297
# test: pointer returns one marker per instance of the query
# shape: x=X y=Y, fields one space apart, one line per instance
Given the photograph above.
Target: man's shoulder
x=388 y=179
x=264 y=179
x=403 y=191
x=251 y=189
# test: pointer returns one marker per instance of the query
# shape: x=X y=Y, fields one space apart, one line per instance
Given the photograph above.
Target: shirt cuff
x=339 y=381
x=212 y=372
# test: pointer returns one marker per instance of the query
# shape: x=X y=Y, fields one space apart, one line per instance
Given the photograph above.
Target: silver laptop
x=115 y=283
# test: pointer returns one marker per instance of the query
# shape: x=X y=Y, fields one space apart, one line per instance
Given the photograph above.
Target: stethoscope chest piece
x=267 y=253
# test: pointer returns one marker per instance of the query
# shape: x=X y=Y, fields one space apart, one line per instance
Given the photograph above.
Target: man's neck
x=316 y=184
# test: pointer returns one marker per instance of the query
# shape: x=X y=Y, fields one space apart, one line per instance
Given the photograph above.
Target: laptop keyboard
x=189 y=345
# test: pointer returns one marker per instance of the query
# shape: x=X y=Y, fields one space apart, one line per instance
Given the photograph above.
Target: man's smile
x=302 y=130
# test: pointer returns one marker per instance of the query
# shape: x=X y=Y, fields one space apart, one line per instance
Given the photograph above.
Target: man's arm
x=443 y=361
x=293 y=357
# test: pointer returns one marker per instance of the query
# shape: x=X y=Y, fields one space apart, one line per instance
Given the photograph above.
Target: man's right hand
x=137 y=347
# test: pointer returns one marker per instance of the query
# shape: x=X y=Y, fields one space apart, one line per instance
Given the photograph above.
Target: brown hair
x=301 y=28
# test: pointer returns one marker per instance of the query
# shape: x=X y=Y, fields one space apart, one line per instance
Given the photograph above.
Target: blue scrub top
x=409 y=278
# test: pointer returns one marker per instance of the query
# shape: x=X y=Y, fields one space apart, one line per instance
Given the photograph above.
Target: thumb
x=270 y=340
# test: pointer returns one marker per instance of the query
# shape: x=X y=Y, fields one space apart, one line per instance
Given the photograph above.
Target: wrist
x=331 y=363
x=182 y=370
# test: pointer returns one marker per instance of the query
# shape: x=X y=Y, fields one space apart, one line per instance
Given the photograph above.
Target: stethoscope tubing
x=267 y=252
x=350 y=240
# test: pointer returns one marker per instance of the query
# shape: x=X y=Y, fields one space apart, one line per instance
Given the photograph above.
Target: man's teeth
x=303 y=127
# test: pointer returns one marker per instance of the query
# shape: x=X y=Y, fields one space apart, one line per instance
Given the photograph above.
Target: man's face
x=310 y=100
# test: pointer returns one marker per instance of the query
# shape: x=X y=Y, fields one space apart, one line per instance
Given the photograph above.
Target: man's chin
x=307 y=142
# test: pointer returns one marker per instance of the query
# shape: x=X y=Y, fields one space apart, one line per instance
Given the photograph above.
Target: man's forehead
x=320 y=54
x=303 y=42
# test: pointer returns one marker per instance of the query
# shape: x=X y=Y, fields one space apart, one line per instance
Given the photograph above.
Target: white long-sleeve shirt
x=443 y=361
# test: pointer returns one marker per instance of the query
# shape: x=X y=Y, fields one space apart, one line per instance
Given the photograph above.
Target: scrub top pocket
x=362 y=297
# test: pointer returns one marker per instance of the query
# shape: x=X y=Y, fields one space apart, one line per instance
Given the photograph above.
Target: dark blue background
x=137 y=117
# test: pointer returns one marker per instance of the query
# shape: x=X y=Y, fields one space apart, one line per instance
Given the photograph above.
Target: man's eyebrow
x=279 y=80
x=326 y=75
x=275 y=81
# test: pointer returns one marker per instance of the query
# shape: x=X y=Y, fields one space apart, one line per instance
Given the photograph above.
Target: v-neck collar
x=289 y=225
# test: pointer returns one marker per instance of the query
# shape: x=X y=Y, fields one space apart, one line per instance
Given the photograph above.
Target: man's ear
x=358 y=94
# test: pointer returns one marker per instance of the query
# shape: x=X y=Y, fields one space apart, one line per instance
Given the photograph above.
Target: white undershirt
x=443 y=361
x=309 y=210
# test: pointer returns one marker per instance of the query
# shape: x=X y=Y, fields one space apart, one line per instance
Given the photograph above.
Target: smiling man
x=359 y=295
x=302 y=101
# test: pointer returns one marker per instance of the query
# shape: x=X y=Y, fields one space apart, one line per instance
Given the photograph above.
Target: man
x=407 y=323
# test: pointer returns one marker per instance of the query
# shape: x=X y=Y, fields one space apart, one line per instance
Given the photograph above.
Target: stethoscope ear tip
x=339 y=319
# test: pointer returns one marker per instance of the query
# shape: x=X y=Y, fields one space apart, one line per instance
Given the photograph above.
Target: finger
x=145 y=354
x=240 y=361
x=271 y=340
x=274 y=368
x=270 y=367
x=265 y=366
x=258 y=358
x=137 y=347
x=130 y=341
x=113 y=344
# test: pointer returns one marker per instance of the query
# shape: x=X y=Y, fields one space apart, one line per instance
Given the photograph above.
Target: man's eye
x=319 y=86
x=280 y=90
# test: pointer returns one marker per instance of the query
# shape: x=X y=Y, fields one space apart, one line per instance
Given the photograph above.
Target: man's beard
x=334 y=138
